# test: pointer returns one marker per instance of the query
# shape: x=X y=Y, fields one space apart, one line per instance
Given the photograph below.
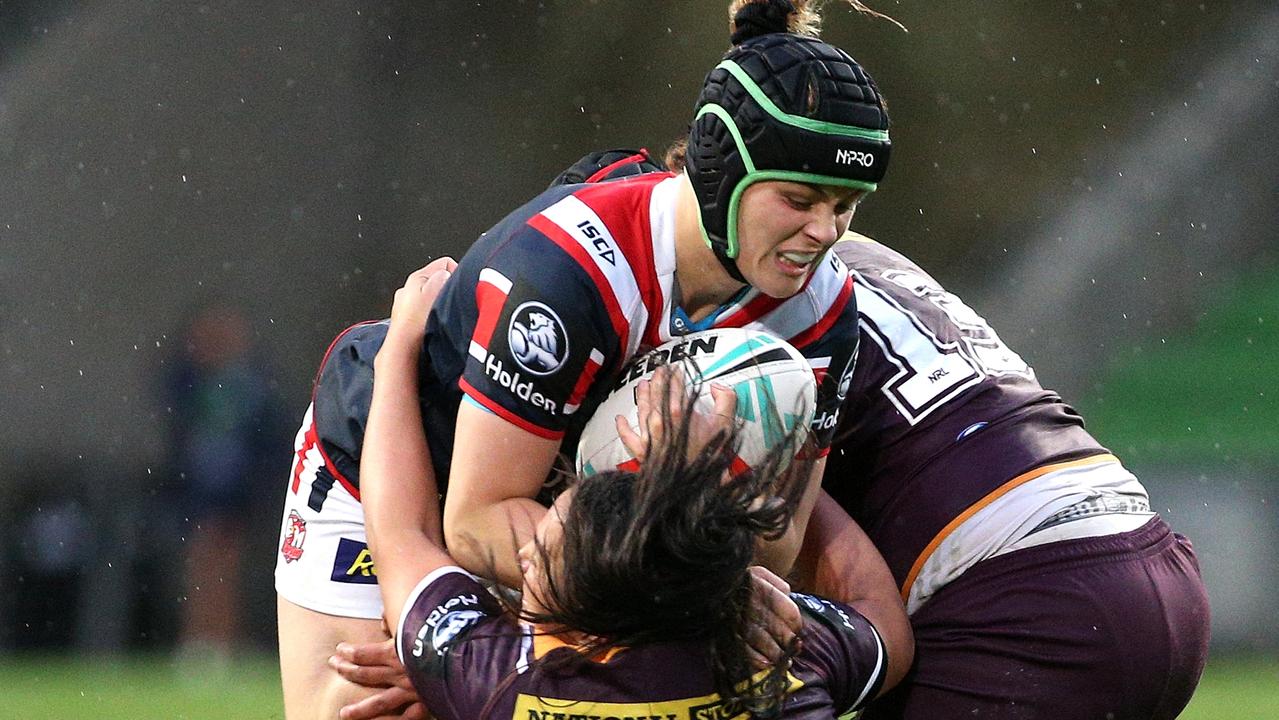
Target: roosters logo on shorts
x=537 y=338
x=294 y=537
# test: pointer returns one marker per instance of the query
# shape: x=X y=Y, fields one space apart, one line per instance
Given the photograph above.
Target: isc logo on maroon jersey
x=293 y=539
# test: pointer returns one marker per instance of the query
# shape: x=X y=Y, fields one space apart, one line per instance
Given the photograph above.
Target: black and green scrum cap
x=782 y=107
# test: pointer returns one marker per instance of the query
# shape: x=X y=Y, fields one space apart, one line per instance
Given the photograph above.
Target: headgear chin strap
x=747 y=129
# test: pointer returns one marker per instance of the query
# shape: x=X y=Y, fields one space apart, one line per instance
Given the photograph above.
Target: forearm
x=398 y=487
x=489 y=512
x=780 y=555
x=840 y=562
x=486 y=539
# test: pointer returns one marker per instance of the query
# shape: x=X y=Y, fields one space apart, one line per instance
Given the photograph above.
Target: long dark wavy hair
x=663 y=554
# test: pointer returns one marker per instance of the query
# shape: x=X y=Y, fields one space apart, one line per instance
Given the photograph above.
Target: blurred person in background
x=225 y=428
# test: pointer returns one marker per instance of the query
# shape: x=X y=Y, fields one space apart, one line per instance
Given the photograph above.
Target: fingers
x=725 y=402
x=762 y=650
x=378 y=653
x=433 y=285
x=760 y=573
x=443 y=263
x=413 y=301
x=774 y=603
x=388 y=703
x=427 y=279
x=374 y=676
x=777 y=620
x=631 y=440
x=660 y=402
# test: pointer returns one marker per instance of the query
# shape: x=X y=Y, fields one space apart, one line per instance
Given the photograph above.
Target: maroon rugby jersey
x=940 y=413
x=469 y=661
x=547 y=306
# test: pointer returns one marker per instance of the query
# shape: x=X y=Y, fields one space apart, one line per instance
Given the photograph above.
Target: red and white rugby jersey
x=555 y=299
x=543 y=311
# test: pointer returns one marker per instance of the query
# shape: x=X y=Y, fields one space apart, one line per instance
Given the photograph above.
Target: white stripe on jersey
x=581 y=223
x=489 y=276
x=929 y=371
x=805 y=309
x=309 y=457
x=661 y=213
x=597 y=360
x=496 y=279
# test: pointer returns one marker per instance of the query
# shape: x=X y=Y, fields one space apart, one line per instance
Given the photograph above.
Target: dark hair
x=663 y=554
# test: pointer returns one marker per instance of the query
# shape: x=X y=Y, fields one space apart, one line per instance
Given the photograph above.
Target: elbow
x=779 y=555
x=899 y=644
x=464 y=539
x=460 y=541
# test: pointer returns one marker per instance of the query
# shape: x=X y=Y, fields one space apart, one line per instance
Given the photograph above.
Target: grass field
x=141 y=687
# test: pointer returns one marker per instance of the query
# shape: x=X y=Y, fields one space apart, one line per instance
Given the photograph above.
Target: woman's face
x=549 y=533
x=785 y=228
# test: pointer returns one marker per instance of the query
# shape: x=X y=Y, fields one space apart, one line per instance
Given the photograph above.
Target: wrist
x=398 y=350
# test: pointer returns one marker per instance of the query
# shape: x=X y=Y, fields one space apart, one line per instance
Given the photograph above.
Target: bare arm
x=398 y=488
x=839 y=561
x=780 y=554
x=489 y=511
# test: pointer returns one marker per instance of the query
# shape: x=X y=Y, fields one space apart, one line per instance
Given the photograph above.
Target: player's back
x=940 y=414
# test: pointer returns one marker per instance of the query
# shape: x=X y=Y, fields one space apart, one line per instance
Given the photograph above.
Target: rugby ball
x=775 y=386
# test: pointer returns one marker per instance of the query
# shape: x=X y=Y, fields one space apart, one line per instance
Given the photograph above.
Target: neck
x=703 y=283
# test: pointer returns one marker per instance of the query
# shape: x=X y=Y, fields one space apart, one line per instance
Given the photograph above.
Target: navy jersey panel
x=342 y=395
x=521 y=327
x=940 y=412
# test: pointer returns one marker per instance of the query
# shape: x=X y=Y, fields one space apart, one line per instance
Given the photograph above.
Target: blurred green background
x=1095 y=177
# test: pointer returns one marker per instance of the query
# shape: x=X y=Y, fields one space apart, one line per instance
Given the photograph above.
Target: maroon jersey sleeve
x=842 y=654
x=454 y=676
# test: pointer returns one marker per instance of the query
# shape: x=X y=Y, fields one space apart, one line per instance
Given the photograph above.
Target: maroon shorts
x=1108 y=627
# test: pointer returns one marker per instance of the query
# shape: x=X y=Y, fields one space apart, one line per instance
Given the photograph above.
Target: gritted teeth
x=799 y=258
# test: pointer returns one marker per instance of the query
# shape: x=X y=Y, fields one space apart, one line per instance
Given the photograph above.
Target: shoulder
x=600 y=224
x=859 y=251
x=874 y=264
x=456 y=643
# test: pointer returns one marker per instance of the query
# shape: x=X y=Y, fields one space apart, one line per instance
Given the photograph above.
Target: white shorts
x=323 y=561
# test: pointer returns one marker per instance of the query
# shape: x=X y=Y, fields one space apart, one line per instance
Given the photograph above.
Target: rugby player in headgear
x=549 y=304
